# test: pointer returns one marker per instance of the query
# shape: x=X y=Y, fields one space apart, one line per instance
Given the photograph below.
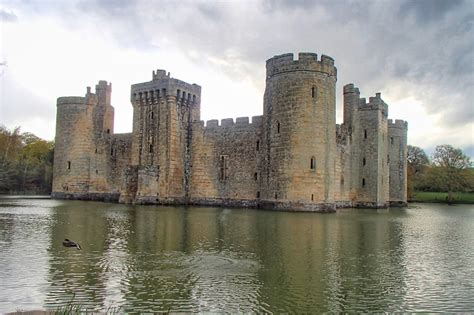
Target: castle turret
x=299 y=132
x=80 y=123
x=163 y=111
x=367 y=127
x=397 y=148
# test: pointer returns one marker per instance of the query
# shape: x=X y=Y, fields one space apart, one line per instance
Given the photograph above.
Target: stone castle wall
x=225 y=164
x=294 y=157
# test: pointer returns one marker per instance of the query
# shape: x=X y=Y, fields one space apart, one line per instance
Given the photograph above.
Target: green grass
x=441 y=197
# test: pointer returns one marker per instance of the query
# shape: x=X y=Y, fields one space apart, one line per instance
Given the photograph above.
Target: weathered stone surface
x=293 y=158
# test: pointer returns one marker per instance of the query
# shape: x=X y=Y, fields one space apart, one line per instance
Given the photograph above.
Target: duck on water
x=69 y=243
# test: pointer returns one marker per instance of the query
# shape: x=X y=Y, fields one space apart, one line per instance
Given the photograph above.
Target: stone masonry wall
x=225 y=163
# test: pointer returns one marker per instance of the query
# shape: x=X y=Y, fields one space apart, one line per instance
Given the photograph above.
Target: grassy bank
x=441 y=197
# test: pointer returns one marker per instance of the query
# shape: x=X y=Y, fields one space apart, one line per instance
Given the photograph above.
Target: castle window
x=363 y=182
x=388 y=158
x=112 y=151
x=150 y=150
x=258 y=194
x=95 y=150
x=363 y=161
x=391 y=140
x=276 y=196
x=97 y=171
x=278 y=126
x=312 y=163
x=68 y=165
x=194 y=98
x=184 y=94
x=313 y=92
x=163 y=92
x=258 y=145
x=365 y=133
x=152 y=115
x=224 y=168
x=312 y=197
x=342 y=180
x=178 y=93
x=255 y=176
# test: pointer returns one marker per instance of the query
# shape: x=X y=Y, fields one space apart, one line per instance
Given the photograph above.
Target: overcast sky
x=419 y=54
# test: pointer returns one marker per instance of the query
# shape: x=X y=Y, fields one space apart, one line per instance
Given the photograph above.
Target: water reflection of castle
x=175 y=259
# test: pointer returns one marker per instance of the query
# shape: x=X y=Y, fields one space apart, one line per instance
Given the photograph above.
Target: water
x=145 y=258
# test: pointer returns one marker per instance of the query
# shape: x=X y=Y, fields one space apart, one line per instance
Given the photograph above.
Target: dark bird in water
x=69 y=243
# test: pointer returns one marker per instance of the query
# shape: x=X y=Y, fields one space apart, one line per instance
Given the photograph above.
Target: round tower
x=73 y=145
x=300 y=132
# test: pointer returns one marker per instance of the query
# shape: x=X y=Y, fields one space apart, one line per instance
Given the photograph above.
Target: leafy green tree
x=451 y=164
x=26 y=162
x=418 y=162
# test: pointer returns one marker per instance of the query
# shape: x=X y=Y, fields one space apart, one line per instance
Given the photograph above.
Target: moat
x=198 y=259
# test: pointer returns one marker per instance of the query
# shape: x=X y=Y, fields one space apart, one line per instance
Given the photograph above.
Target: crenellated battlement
x=306 y=62
x=398 y=123
x=160 y=74
x=351 y=88
x=229 y=122
x=163 y=86
x=71 y=100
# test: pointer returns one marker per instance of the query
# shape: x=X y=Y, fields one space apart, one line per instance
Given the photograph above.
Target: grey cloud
x=375 y=43
x=6 y=16
x=428 y=10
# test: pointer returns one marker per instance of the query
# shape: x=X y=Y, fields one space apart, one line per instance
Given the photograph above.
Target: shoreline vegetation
x=442 y=197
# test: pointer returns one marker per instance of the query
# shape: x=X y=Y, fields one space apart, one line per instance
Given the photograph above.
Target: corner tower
x=299 y=133
x=80 y=123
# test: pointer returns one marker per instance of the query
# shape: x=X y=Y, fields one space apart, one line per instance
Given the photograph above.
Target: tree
x=25 y=162
x=451 y=163
x=417 y=161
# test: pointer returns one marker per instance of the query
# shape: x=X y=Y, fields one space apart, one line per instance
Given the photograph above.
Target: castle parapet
x=163 y=85
x=229 y=122
x=350 y=88
x=398 y=123
x=71 y=100
x=305 y=62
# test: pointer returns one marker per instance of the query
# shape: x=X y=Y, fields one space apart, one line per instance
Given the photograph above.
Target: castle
x=293 y=157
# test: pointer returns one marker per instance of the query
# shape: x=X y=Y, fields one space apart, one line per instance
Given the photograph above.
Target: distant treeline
x=448 y=170
x=26 y=162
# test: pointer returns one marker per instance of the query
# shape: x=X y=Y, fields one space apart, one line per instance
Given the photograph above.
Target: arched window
x=312 y=163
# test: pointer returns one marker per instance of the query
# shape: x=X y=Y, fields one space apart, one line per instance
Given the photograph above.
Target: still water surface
x=146 y=258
